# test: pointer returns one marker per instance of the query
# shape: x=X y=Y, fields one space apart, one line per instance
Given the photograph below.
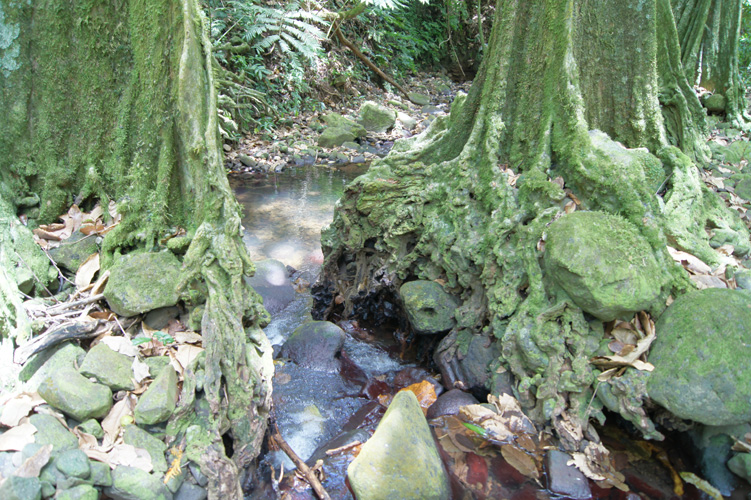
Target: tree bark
x=116 y=101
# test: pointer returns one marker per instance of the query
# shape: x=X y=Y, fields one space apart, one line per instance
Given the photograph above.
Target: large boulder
x=715 y=103
x=271 y=281
x=603 y=263
x=338 y=121
x=315 y=345
x=142 y=282
x=376 y=118
x=334 y=136
x=701 y=357
x=400 y=460
x=429 y=308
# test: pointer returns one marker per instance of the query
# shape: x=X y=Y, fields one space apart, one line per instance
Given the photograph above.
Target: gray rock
x=6 y=464
x=464 y=358
x=431 y=110
x=93 y=427
x=701 y=357
x=272 y=282
x=80 y=492
x=429 y=308
x=75 y=395
x=158 y=402
x=143 y=282
x=715 y=103
x=399 y=104
x=333 y=137
x=315 y=345
x=191 y=492
x=338 y=121
x=419 y=99
x=247 y=160
x=160 y=318
x=73 y=463
x=450 y=402
x=740 y=465
x=604 y=264
x=565 y=480
x=51 y=431
x=74 y=251
x=376 y=118
x=129 y=483
x=101 y=474
x=351 y=145
x=21 y=488
x=407 y=121
x=41 y=365
x=400 y=460
x=135 y=436
x=743 y=188
x=156 y=364
x=109 y=367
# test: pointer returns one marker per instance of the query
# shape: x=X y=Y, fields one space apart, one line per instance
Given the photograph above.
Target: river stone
x=743 y=188
x=129 y=483
x=101 y=474
x=564 y=479
x=376 y=118
x=93 y=427
x=74 y=251
x=715 y=103
x=740 y=465
x=73 y=463
x=75 y=395
x=135 y=436
x=338 y=121
x=419 y=99
x=51 y=431
x=143 y=282
x=109 y=367
x=189 y=491
x=271 y=281
x=158 y=402
x=701 y=357
x=429 y=308
x=80 y=492
x=407 y=121
x=333 y=137
x=400 y=460
x=603 y=263
x=450 y=402
x=315 y=345
x=21 y=488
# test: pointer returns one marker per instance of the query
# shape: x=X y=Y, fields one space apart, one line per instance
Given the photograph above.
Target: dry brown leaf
x=580 y=461
x=185 y=354
x=18 y=407
x=32 y=466
x=121 y=345
x=425 y=392
x=187 y=338
x=128 y=455
x=493 y=424
x=691 y=263
x=632 y=358
x=87 y=270
x=140 y=370
x=101 y=282
x=47 y=235
x=570 y=207
x=520 y=461
x=16 y=438
x=120 y=413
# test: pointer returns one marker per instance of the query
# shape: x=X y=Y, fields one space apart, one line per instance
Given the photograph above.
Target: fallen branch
x=310 y=476
x=60 y=308
x=55 y=336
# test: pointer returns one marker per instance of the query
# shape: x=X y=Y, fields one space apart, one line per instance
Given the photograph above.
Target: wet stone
x=80 y=492
x=376 y=118
x=334 y=136
x=271 y=281
x=143 y=282
x=21 y=488
x=109 y=367
x=450 y=402
x=566 y=480
x=429 y=308
x=158 y=402
x=129 y=483
x=135 y=436
x=74 y=251
x=315 y=345
x=191 y=492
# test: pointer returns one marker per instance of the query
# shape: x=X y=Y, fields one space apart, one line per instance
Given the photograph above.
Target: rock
x=41 y=365
x=109 y=367
x=93 y=427
x=431 y=110
x=158 y=402
x=740 y=465
x=73 y=463
x=563 y=479
x=450 y=402
x=376 y=118
x=21 y=488
x=603 y=263
x=338 y=121
x=333 y=137
x=715 y=103
x=80 y=492
x=75 y=395
x=247 y=160
x=398 y=104
x=743 y=279
x=463 y=359
x=191 y=492
x=101 y=474
x=407 y=121
x=156 y=364
x=400 y=460
x=315 y=345
x=271 y=281
x=429 y=308
x=701 y=357
x=51 y=431
x=135 y=436
x=129 y=483
x=160 y=318
x=743 y=188
x=74 y=251
x=143 y=282
x=419 y=99
x=351 y=145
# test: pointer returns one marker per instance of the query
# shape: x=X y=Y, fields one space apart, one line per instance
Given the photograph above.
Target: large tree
x=469 y=202
x=115 y=101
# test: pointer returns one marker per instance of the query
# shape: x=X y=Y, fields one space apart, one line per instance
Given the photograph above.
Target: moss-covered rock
x=701 y=357
x=21 y=488
x=334 y=136
x=338 y=121
x=134 y=484
x=80 y=492
x=108 y=367
x=73 y=463
x=315 y=345
x=603 y=263
x=429 y=307
x=51 y=431
x=400 y=460
x=740 y=465
x=74 y=251
x=143 y=282
x=419 y=99
x=376 y=118
x=715 y=103
x=139 y=438
x=158 y=402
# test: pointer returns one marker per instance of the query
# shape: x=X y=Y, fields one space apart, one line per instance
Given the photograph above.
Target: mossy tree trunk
x=447 y=205
x=115 y=101
x=709 y=31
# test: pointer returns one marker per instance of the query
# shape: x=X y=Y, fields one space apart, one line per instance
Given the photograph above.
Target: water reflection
x=283 y=213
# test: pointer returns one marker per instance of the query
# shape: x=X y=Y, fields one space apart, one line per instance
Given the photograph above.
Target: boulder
x=407 y=121
x=604 y=264
x=333 y=137
x=450 y=402
x=315 y=345
x=73 y=463
x=376 y=118
x=271 y=281
x=338 y=121
x=429 y=308
x=143 y=282
x=419 y=99
x=701 y=357
x=74 y=251
x=80 y=492
x=715 y=103
x=109 y=367
x=21 y=488
x=51 y=431
x=129 y=483
x=400 y=460
x=158 y=402
x=135 y=436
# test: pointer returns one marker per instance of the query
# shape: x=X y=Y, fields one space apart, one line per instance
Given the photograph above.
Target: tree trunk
x=469 y=201
x=116 y=101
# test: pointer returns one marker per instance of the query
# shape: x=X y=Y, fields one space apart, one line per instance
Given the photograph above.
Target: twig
x=54 y=336
x=52 y=311
x=346 y=447
x=310 y=477
x=36 y=277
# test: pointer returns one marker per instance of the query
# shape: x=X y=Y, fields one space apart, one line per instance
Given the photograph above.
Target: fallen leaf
x=121 y=345
x=16 y=438
x=113 y=422
x=185 y=354
x=187 y=338
x=87 y=270
x=520 y=461
x=688 y=261
x=128 y=455
x=32 y=466
x=425 y=392
x=701 y=484
x=140 y=370
x=18 y=407
x=100 y=283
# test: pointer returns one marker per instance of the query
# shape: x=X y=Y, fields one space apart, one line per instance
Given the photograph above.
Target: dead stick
x=309 y=475
x=346 y=447
x=52 y=311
